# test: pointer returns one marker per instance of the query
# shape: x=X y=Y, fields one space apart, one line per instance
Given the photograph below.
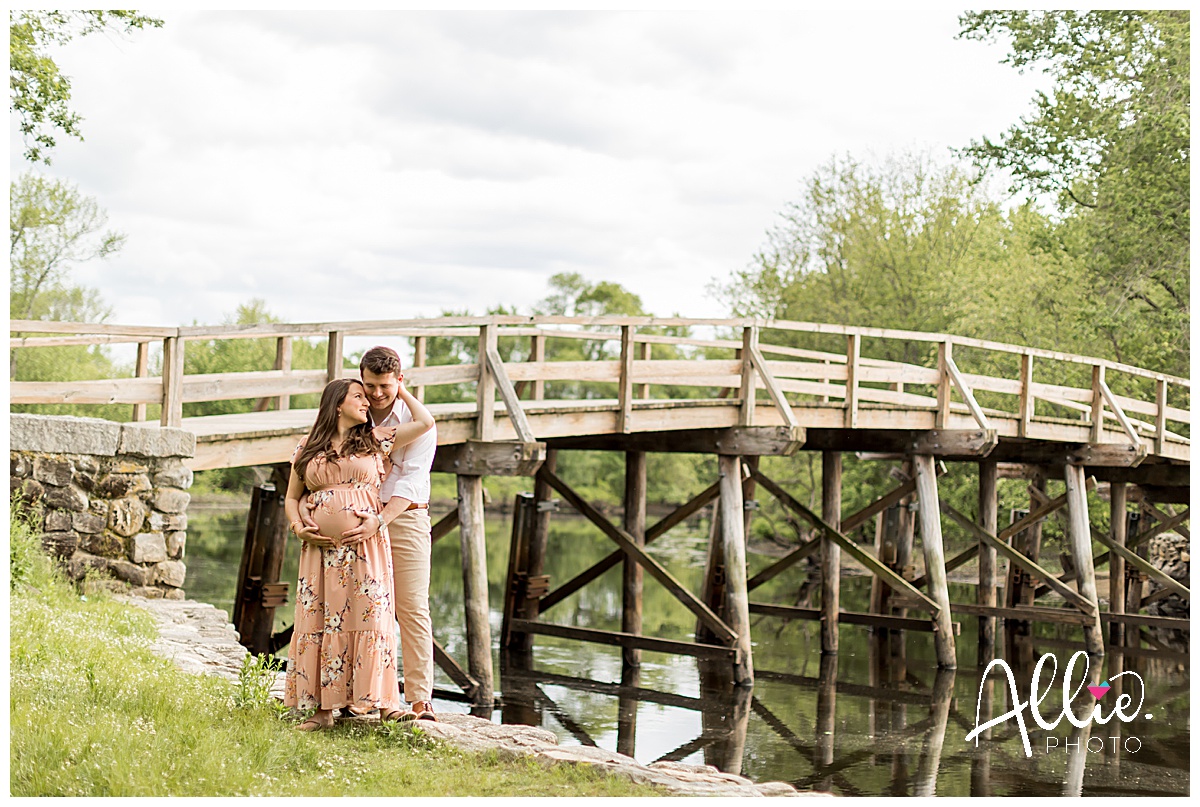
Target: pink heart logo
x=1099 y=692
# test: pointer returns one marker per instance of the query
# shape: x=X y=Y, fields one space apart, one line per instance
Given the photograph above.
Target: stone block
x=115 y=486
x=132 y=573
x=60 y=544
x=85 y=464
x=87 y=522
x=123 y=465
x=18 y=464
x=104 y=544
x=173 y=474
x=91 y=587
x=175 y=594
x=176 y=544
x=126 y=516
x=56 y=434
x=148 y=547
x=67 y=498
x=171 y=573
x=145 y=440
x=85 y=481
x=52 y=470
x=149 y=592
x=31 y=491
x=167 y=522
x=81 y=562
x=58 y=521
x=170 y=500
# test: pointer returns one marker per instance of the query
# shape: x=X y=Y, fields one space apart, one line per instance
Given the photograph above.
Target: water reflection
x=878 y=719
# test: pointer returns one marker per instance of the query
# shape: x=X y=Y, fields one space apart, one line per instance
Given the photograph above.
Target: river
x=875 y=720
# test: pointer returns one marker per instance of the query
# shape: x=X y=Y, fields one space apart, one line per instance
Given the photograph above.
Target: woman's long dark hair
x=360 y=440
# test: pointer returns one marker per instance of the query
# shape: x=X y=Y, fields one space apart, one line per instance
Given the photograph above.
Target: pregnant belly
x=332 y=525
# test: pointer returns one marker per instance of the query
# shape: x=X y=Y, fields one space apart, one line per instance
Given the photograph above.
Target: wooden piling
x=516 y=585
x=627 y=709
x=475 y=590
x=259 y=591
x=1117 y=495
x=733 y=549
x=988 y=512
x=635 y=525
x=831 y=555
x=1079 y=538
x=935 y=559
x=826 y=718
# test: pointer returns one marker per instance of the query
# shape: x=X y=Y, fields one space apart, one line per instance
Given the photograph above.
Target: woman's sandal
x=315 y=723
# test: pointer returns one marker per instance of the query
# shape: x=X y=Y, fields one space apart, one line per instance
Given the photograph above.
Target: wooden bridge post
x=733 y=546
x=258 y=592
x=537 y=353
x=334 y=360
x=172 y=401
x=988 y=515
x=935 y=559
x=1117 y=495
x=1133 y=596
x=419 y=348
x=943 y=390
x=475 y=589
x=627 y=709
x=1079 y=535
x=141 y=370
x=635 y=525
x=516 y=583
x=485 y=392
x=831 y=554
x=749 y=377
x=283 y=361
x=625 y=382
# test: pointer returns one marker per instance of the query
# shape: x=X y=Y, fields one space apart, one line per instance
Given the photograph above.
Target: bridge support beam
x=935 y=559
x=988 y=517
x=475 y=590
x=831 y=553
x=733 y=550
x=1079 y=535
x=635 y=525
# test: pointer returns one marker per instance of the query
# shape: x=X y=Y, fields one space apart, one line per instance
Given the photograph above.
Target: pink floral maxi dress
x=343 y=649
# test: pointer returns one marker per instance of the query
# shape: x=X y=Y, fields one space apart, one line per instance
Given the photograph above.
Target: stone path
x=199 y=638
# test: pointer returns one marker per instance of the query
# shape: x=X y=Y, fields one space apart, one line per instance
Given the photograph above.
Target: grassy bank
x=94 y=713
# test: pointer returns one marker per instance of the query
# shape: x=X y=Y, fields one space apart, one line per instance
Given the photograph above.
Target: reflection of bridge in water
x=912 y=400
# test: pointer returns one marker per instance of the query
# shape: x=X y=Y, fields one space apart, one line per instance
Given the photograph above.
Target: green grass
x=94 y=713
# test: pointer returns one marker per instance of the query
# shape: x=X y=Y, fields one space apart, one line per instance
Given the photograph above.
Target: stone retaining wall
x=107 y=496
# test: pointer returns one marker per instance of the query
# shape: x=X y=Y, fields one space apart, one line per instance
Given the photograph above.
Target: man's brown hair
x=380 y=361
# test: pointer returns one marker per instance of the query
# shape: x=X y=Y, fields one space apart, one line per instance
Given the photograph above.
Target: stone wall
x=107 y=496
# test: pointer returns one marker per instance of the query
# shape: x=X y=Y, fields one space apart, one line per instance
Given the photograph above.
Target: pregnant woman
x=343 y=649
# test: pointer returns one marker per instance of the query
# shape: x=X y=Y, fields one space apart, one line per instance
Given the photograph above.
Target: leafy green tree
x=39 y=93
x=1112 y=142
x=52 y=227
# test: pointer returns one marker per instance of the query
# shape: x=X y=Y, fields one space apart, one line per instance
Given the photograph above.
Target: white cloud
x=462 y=158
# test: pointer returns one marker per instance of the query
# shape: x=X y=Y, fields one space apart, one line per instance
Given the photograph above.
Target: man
x=405 y=494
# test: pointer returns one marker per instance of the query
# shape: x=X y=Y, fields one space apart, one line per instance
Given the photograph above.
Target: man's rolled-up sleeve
x=409 y=478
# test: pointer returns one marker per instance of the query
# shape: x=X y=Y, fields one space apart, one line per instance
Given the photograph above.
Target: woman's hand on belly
x=368 y=526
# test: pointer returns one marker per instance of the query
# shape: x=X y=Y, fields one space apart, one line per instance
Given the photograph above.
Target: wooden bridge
x=740 y=389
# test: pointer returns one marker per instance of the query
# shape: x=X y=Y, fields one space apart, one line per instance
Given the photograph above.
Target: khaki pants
x=411 y=543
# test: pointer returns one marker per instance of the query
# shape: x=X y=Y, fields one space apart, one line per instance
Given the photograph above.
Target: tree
x=52 y=226
x=1112 y=142
x=39 y=93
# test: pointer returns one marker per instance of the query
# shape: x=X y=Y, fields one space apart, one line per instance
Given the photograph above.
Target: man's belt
x=415 y=506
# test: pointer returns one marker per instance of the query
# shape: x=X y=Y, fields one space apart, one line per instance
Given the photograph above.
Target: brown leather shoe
x=421 y=710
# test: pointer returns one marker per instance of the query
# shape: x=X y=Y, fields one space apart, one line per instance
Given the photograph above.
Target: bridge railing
x=794 y=364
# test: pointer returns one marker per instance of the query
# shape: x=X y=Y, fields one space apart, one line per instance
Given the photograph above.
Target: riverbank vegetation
x=94 y=713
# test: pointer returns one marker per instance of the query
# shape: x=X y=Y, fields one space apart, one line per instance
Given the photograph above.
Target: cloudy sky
x=368 y=165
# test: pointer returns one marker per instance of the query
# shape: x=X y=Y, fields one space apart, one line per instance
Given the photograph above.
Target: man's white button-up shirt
x=410 y=470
